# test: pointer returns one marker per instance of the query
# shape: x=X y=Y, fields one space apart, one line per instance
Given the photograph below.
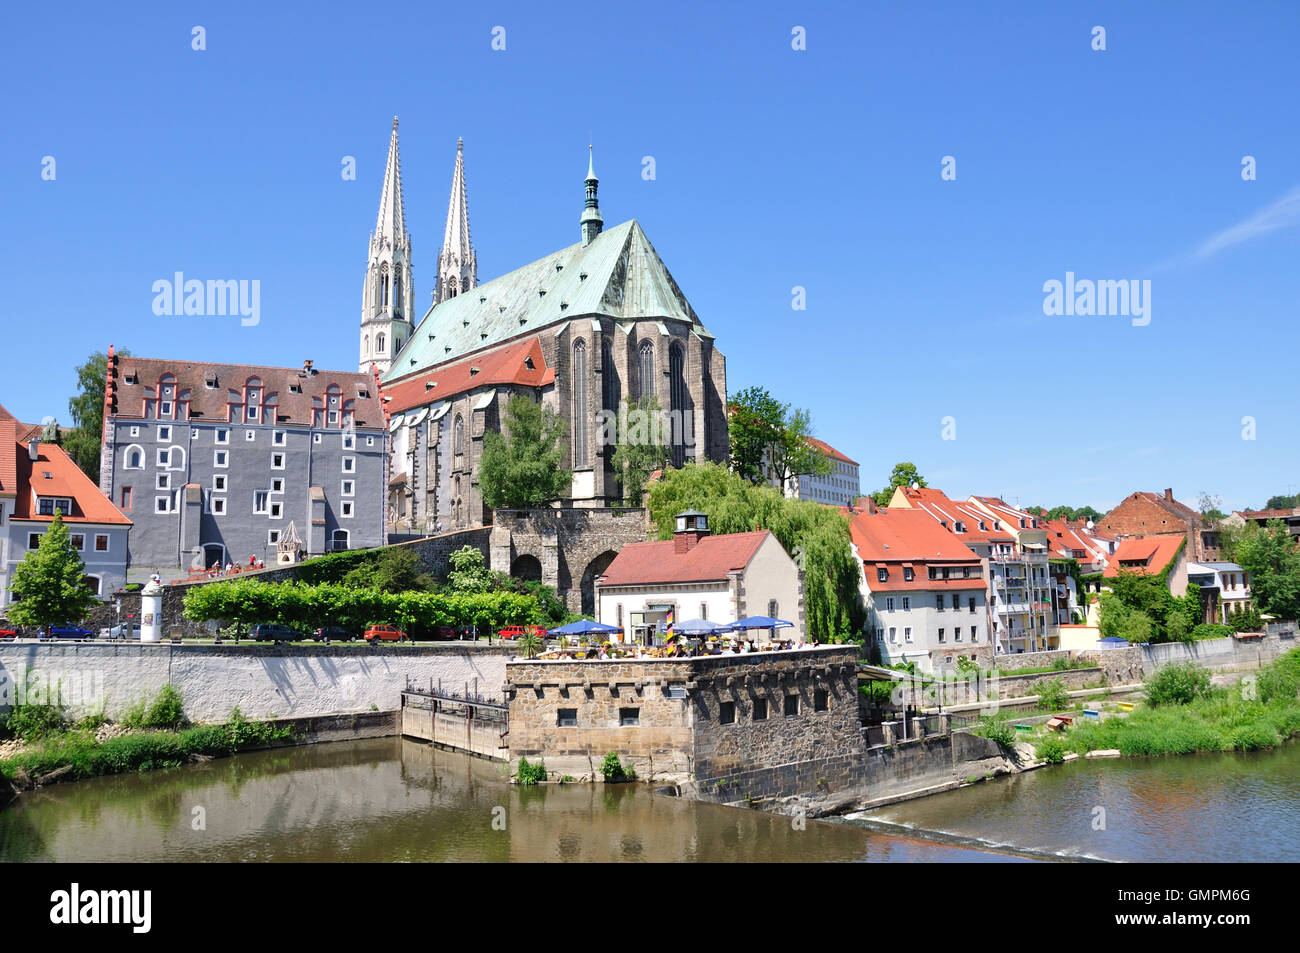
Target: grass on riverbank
x=77 y=748
x=1259 y=713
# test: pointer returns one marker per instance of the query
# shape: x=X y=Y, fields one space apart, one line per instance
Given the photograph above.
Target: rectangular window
x=956 y=634
x=163 y=481
x=629 y=717
x=165 y=433
x=126 y=498
x=760 y=709
x=223 y=435
x=821 y=700
x=907 y=634
x=971 y=603
x=272 y=537
x=941 y=635
x=908 y=574
x=252 y=413
x=938 y=601
x=45 y=506
x=349 y=441
x=889 y=604
x=566 y=718
x=220 y=458
x=275 y=510
x=880 y=634
x=893 y=634
x=219 y=483
x=956 y=600
x=347 y=488
x=277 y=485
x=727 y=713
x=346 y=509
x=333 y=417
x=974 y=634
x=33 y=540
x=907 y=603
x=675 y=691
x=164 y=456
x=704 y=611
x=162 y=504
x=277 y=461
x=218 y=506
x=277 y=438
x=882 y=574
x=101 y=542
x=791 y=705
x=259 y=501
x=349 y=464
x=78 y=541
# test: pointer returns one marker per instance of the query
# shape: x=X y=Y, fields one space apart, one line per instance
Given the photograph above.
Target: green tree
x=524 y=468
x=394 y=569
x=1271 y=557
x=639 y=447
x=769 y=439
x=469 y=573
x=904 y=474
x=83 y=442
x=815 y=536
x=1282 y=502
x=1125 y=622
x=49 y=583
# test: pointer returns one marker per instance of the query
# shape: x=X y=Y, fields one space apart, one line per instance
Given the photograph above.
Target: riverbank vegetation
x=153 y=733
x=1184 y=713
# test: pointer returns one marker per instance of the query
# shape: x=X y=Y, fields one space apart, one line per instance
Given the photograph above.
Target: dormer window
x=210 y=380
x=47 y=505
x=528 y=363
x=882 y=574
x=907 y=574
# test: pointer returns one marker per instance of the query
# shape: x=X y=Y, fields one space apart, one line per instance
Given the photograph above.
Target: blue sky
x=775 y=168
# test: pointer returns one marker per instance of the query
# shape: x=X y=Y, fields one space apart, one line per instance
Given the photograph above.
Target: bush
x=1211 y=630
x=33 y=722
x=1254 y=737
x=1277 y=683
x=615 y=770
x=165 y=712
x=998 y=731
x=1177 y=684
x=1053 y=696
x=530 y=774
x=1052 y=749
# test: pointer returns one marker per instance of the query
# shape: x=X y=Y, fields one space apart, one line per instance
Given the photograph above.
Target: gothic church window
x=679 y=400
x=646 y=370
x=580 y=408
x=379 y=344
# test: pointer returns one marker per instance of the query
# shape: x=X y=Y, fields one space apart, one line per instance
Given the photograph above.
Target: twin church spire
x=388 y=299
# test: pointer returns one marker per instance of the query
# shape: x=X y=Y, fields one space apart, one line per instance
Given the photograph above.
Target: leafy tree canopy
x=1271 y=557
x=1282 y=502
x=640 y=448
x=524 y=468
x=769 y=439
x=49 y=583
x=904 y=474
x=394 y=569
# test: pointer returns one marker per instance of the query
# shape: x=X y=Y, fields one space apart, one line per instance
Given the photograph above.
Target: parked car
x=384 y=633
x=65 y=632
x=8 y=633
x=123 y=630
x=515 y=631
x=333 y=633
x=273 y=632
x=454 y=632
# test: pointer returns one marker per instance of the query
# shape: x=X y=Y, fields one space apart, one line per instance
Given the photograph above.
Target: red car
x=8 y=634
x=384 y=633
x=515 y=631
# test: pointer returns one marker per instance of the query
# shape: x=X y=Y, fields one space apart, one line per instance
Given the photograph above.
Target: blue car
x=65 y=632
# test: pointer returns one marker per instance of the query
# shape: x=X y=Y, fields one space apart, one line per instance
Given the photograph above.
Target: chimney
x=33 y=452
x=1169 y=494
x=306 y=369
x=871 y=504
x=689 y=528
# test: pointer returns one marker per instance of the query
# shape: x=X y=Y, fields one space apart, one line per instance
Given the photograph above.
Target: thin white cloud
x=1282 y=213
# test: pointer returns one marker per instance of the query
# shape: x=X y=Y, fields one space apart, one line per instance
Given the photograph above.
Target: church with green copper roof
x=584 y=329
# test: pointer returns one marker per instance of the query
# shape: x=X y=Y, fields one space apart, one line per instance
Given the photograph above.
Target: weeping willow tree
x=815 y=536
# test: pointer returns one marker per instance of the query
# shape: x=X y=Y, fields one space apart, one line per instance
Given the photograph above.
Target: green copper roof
x=619 y=276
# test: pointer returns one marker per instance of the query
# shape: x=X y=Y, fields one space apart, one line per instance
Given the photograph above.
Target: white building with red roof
x=696 y=575
x=36 y=481
x=837 y=487
x=924 y=588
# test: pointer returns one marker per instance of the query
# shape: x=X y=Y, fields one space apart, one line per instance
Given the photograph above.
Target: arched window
x=581 y=412
x=608 y=377
x=397 y=291
x=367 y=345
x=679 y=402
x=464 y=283
x=135 y=457
x=646 y=370
x=458 y=441
x=379 y=344
x=383 y=286
x=452 y=286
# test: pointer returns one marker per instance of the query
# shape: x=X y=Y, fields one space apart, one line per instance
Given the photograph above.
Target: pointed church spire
x=457 y=263
x=591 y=222
x=392 y=205
x=387 y=300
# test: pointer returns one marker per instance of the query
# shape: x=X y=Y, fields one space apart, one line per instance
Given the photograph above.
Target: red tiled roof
x=506 y=365
x=54 y=474
x=709 y=560
x=1154 y=553
x=9 y=442
x=1271 y=514
x=943 y=509
x=828 y=450
x=899 y=535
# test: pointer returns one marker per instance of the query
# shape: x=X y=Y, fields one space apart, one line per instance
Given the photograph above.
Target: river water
x=390 y=799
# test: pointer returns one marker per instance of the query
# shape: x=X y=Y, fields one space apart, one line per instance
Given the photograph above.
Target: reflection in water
x=388 y=799
x=1195 y=808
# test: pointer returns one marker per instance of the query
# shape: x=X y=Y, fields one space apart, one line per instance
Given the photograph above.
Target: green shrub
x=615 y=770
x=530 y=774
x=1177 y=684
x=1276 y=682
x=998 y=730
x=1053 y=695
x=165 y=712
x=1052 y=749
x=1211 y=630
x=33 y=722
x=1254 y=737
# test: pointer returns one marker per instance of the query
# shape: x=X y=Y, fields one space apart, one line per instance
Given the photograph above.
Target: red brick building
x=1145 y=514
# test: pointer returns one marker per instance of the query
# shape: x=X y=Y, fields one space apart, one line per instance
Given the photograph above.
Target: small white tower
x=388 y=300
x=457 y=263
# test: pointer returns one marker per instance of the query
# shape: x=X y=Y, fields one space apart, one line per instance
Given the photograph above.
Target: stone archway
x=527 y=567
x=593 y=571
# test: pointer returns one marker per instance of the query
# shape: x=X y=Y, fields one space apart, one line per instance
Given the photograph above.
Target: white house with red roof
x=924 y=589
x=36 y=481
x=696 y=575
